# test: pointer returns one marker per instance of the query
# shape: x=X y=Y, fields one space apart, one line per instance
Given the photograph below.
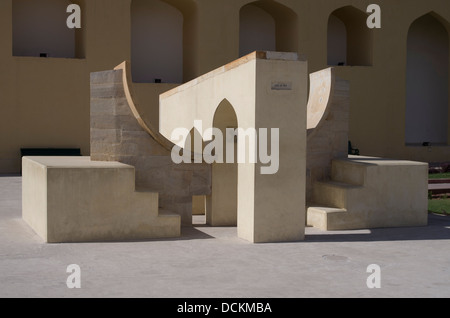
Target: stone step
x=151 y=196
x=323 y=217
x=348 y=171
x=334 y=219
x=90 y=201
x=333 y=193
x=167 y=213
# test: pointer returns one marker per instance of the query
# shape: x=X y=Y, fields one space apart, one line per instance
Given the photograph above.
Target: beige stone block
x=104 y=121
x=100 y=106
x=125 y=148
x=345 y=171
x=112 y=136
x=109 y=106
x=106 y=77
x=74 y=199
x=146 y=145
x=121 y=107
x=391 y=193
x=101 y=157
x=108 y=90
x=324 y=218
x=101 y=148
x=332 y=193
x=128 y=123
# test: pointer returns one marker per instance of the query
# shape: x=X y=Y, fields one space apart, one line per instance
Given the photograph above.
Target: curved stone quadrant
x=350 y=192
x=119 y=134
x=327 y=123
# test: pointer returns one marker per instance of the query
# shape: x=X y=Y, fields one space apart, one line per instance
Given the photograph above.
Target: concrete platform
x=213 y=262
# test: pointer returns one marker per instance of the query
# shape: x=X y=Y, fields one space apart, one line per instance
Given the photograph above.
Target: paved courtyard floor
x=214 y=262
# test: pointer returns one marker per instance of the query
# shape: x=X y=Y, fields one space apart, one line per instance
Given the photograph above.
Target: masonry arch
x=349 y=40
x=255 y=108
x=427 y=81
x=222 y=203
x=267 y=26
x=39 y=30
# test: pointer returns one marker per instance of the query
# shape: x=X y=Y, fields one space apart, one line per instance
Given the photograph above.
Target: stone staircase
x=74 y=199
x=366 y=192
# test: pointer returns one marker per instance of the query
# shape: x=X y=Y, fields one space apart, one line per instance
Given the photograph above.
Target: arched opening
x=156 y=42
x=257 y=30
x=337 y=41
x=39 y=29
x=427 y=81
x=349 y=40
x=193 y=149
x=267 y=26
x=222 y=203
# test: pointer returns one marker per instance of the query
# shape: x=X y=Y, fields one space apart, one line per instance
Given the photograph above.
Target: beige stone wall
x=45 y=102
x=33 y=35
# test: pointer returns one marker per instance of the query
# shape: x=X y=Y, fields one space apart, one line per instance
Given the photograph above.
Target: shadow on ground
x=438 y=228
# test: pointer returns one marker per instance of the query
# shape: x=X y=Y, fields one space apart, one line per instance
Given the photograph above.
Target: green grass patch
x=439 y=175
x=439 y=206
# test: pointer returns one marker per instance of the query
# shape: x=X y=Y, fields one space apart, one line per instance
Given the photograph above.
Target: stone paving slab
x=213 y=262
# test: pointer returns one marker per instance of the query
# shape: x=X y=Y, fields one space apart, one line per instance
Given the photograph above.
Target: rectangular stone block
x=128 y=123
x=109 y=90
x=103 y=121
x=112 y=136
x=109 y=106
x=101 y=106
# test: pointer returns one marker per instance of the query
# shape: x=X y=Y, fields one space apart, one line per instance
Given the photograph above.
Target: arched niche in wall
x=427 y=81
x=40 y=30
x=349 y=40
x=156 y=42
x=163 y=40
x=267 y=26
